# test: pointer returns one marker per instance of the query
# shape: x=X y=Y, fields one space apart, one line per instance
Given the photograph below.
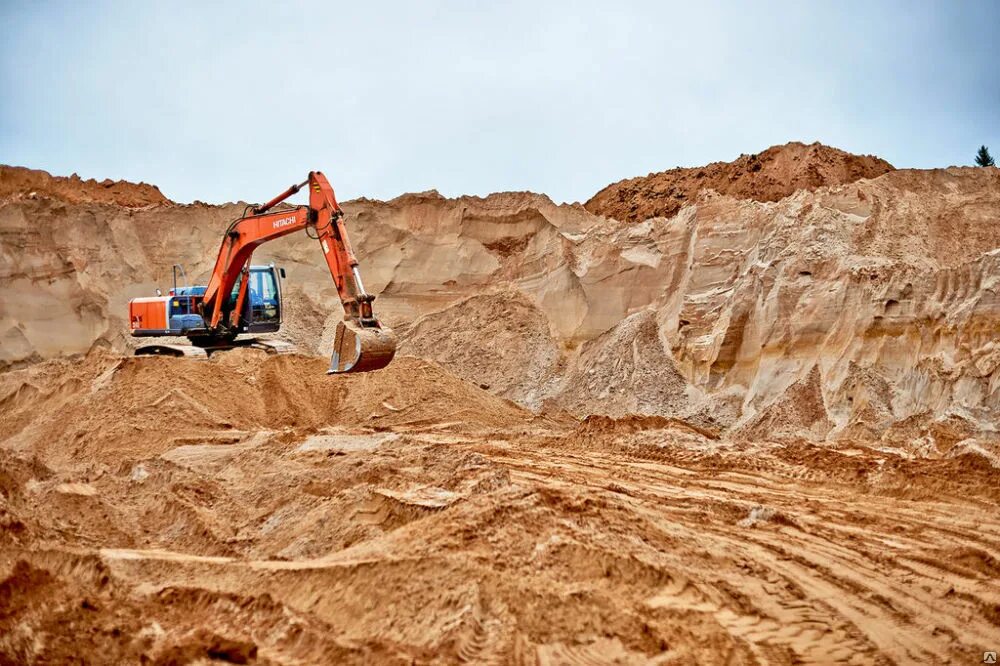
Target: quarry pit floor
x=406 y=536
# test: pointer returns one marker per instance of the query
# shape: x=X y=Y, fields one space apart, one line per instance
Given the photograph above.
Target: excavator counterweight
x=240 y=298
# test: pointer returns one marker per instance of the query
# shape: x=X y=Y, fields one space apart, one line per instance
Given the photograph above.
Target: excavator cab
x=178 y=313
x=264 y=299
x=261 y=312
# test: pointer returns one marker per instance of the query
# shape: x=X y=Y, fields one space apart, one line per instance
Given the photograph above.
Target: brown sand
x=767 y=176
x=34 y=183
x=415 y=518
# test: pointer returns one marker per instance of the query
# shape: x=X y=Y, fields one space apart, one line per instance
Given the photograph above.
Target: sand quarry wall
x=865 y=309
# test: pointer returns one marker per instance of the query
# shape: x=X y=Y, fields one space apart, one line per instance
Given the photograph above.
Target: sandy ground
x=813 y=478
x=365 y=533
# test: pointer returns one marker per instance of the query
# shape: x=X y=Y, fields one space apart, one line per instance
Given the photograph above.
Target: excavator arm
x=361 y=342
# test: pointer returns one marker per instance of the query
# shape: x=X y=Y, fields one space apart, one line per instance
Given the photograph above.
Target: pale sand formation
x=752 y=432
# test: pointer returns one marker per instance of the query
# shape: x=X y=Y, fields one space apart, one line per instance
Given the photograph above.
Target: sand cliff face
x=878 y=298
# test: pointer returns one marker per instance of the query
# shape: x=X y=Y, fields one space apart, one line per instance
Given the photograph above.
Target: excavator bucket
x=358 y=349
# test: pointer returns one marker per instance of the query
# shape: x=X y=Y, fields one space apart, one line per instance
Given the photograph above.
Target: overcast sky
x=223 y=101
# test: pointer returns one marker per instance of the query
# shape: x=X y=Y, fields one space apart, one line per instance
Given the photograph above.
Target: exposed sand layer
x=768 y=176
x=369 y=527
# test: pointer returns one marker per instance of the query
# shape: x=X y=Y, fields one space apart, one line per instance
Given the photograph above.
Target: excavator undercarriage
x=204 y=351
x=240 y=298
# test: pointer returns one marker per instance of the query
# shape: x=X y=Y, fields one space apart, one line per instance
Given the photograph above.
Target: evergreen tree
x=983 y=157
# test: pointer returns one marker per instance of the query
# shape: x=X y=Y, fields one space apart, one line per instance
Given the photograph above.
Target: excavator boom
x=361 y=342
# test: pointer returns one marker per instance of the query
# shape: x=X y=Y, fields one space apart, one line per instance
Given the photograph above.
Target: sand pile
x=625 y=371
x=500 y=342
x=799 y=412
x=768 y=176
x=18 y=182
x=109 y=408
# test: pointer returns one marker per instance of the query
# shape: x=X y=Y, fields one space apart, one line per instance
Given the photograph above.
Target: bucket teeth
x=358 y=349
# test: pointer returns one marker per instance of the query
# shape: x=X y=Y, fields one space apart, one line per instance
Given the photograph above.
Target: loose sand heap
x=768 y=176
x=764 y=430
x=18 y=182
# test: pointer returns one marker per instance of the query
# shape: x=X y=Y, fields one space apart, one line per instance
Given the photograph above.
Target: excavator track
x=187 y=351
x=203 y=353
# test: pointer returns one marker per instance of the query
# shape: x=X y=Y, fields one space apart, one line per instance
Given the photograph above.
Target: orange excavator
x=241 y=298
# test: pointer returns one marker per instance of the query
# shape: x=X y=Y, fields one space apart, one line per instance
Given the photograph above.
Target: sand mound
x=625 y=371
x=597 y=425
x=107 y=407
x=798 y=412
x=768 y=176
x=869 y=398
x=33 y=183
x=498 y=341
x=951 y=434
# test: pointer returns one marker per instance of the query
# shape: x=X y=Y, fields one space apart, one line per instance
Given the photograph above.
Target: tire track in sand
x=861 y=595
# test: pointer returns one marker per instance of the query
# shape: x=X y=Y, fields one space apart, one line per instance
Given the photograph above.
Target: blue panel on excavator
x=185 y=322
